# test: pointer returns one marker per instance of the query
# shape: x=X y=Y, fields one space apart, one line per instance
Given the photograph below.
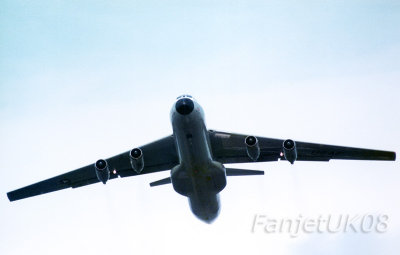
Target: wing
x=158 y=156
x=231 y=148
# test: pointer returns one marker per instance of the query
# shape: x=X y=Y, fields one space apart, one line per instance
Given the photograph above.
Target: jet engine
x=137 y=162
x=252 y=147
x=289 y=150
x=102 y=170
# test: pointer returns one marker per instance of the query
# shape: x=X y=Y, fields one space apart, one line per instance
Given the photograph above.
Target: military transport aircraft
x=195 y=157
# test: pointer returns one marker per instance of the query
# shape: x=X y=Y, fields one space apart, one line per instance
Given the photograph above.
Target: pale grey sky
x=82 y=80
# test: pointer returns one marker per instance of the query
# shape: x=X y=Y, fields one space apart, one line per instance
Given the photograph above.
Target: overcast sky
x=83 y=80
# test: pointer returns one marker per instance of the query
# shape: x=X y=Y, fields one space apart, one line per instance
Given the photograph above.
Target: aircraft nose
x=184 y=106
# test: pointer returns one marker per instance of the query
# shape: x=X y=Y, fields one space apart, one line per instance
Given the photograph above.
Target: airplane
x=196 y=158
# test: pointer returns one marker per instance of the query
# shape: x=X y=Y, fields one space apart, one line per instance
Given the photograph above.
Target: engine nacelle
x=137 y=162
x=289 y=150
x=252 y=147
x=102 y=170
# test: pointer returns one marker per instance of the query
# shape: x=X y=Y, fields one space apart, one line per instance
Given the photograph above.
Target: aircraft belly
x=197 y=176
x=198 y=179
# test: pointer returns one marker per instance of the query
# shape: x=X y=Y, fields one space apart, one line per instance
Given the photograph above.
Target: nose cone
x=184 y=106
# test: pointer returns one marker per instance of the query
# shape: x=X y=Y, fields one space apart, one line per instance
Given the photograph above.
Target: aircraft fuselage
x=197 y=176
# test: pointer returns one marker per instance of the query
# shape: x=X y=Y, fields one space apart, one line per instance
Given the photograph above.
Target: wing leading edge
x=226 y=148
x=231 y=148
x=158 y=156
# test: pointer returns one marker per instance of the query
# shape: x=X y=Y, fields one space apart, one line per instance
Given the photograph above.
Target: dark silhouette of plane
x=195 y=157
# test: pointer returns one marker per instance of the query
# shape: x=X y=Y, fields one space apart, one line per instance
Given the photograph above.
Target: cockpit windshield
x=185 y=96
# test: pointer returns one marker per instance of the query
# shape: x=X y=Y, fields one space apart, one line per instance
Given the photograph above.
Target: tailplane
x=229 y=172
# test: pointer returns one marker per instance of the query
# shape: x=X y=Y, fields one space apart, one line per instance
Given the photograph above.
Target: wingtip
x=391 y=155
x=10 y=197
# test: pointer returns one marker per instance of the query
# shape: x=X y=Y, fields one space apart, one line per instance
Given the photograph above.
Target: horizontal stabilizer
x=229 y=172
x=241 y=172
x=161 y=182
